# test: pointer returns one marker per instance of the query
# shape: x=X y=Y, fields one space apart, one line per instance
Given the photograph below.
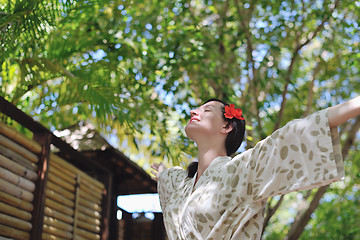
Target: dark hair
x=233 y=139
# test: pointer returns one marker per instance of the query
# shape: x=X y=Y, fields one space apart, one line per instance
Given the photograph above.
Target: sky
x=139 y=203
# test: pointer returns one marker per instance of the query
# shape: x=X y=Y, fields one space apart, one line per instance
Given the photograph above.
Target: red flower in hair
x=231 y=112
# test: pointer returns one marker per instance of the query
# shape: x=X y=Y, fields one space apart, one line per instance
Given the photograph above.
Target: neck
x=207 y=153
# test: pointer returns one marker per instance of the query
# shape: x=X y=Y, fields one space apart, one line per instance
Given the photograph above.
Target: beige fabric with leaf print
x=228 y=201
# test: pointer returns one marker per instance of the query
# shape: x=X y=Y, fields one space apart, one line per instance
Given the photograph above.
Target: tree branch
x=271 y=211
x=295 y=54
x=311 y=90
x=253 y=81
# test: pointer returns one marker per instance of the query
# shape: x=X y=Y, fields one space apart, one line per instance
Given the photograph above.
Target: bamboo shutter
x=72 y=203
x=18 y=173
x=73 y=199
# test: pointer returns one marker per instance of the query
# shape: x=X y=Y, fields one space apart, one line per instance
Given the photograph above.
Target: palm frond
x=26 y=23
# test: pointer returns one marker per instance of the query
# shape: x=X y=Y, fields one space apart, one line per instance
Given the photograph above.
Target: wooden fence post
x=39 y=194
x=108 y=222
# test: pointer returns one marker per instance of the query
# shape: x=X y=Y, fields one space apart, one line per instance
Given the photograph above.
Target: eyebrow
x=209 y=105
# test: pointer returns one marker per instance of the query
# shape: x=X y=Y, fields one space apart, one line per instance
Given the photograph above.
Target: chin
x=189 y=132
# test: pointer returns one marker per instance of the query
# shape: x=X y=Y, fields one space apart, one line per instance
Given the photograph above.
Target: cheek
x=209 y=126
x=219 y=123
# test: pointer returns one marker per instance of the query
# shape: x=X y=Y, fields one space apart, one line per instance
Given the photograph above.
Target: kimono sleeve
x=168 y=180
x=304 y=154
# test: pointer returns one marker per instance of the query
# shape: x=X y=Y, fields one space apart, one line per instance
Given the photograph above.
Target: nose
x=194 y=112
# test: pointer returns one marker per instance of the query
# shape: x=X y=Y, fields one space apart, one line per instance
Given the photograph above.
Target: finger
x=155 y=166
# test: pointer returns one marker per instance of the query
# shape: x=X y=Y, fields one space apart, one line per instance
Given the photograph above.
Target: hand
x=157 y=169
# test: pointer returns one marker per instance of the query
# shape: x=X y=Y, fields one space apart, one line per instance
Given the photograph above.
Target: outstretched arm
x=339 y=114
x=157 y=169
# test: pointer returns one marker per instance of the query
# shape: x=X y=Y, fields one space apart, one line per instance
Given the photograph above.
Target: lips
x=194 y=119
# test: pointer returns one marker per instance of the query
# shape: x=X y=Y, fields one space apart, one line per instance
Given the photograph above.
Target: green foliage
x=338 y=216
x=136 y=68
x=336 y=219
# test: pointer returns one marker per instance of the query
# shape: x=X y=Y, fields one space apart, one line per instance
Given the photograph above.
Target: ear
x=228 y=127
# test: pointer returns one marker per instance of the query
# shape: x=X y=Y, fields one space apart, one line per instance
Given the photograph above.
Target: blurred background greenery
x=134 y=69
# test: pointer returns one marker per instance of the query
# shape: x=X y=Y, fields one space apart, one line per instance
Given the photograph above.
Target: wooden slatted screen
x=72 y=203
x=73 y=199
x=18 y=173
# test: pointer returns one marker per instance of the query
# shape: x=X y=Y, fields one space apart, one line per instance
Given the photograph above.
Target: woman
x=226 y=197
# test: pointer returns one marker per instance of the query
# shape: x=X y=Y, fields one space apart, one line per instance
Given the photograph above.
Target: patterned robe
x=229 y=199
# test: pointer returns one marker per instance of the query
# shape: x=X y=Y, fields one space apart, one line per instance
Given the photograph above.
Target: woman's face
x=207 y=120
